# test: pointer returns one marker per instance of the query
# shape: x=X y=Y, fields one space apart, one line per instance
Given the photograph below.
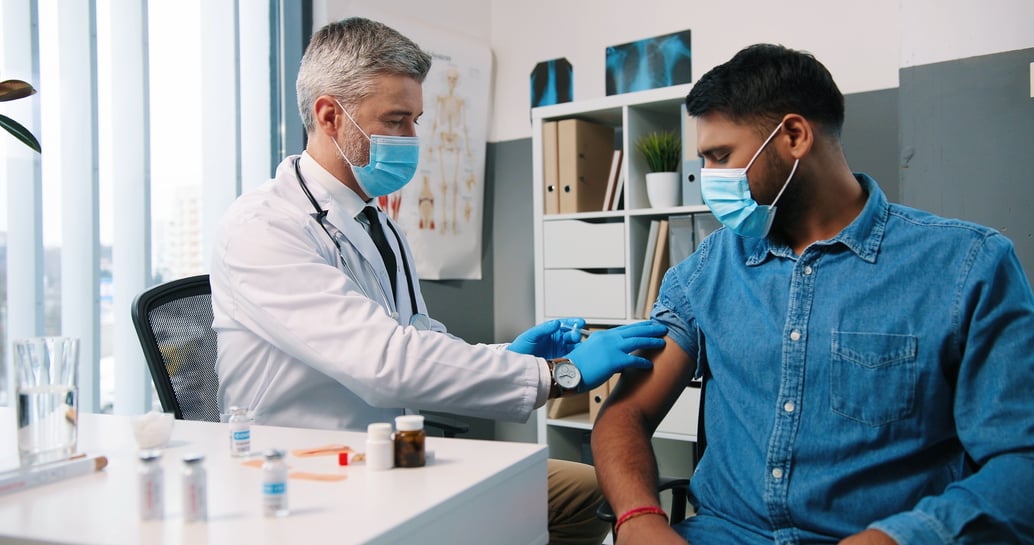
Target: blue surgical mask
x=727 y=193
x=393 y=161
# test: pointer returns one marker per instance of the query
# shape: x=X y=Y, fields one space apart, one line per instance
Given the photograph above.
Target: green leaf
x=20 y=132
x=662 y=150
x=14 y=89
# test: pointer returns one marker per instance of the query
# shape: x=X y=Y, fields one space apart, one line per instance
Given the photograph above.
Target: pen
x=568 y=327
x=25 y=478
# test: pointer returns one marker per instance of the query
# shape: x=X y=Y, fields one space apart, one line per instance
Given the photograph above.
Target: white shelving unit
x=589 y=264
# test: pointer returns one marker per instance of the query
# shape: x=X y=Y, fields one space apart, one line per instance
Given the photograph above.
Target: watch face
x=567 y=375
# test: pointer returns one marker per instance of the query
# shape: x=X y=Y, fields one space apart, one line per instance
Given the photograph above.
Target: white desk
x=475 y=492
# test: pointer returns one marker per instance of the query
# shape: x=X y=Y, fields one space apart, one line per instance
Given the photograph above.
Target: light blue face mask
x=393 y=161
x=727 y=193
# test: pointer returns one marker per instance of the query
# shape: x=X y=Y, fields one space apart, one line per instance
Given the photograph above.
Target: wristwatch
x=565 y=377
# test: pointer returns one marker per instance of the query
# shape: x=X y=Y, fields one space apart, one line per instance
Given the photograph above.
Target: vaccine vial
x=195 y=489
x=240 y=432
x=152 y=485
x=409 y=441
x=380 y=450
x=274 y=484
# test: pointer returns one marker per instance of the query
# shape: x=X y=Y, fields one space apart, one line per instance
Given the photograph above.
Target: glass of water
x=46 y=374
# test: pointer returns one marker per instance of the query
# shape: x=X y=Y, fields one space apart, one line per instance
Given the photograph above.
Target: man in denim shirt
x=869 y=367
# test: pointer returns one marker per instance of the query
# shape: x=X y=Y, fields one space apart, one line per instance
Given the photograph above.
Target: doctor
x=319 y=327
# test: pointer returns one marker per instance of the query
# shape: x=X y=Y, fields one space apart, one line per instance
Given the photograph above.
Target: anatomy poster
x=441 y=209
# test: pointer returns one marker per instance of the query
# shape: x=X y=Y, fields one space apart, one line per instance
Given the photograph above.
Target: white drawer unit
x=579 y=244
x=574 y=292
x=681 y=421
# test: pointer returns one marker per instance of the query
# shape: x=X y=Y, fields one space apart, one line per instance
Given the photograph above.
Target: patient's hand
x=869 y=537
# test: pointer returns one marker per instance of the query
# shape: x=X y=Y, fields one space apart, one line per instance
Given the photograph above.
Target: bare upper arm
x=652 y=392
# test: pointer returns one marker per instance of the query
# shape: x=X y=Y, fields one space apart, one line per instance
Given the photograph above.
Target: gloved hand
x=551 y=339
x=610 y=351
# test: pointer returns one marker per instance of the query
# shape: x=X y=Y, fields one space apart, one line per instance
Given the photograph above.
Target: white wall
x=941 y=30
x=862 y=43
x=857 y=41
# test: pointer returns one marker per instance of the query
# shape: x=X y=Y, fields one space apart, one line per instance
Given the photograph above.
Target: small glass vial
x=274 y=484
x=152 y=485
x=409 y=441
x=240 y=432
x=380 y=450
x=195 y=489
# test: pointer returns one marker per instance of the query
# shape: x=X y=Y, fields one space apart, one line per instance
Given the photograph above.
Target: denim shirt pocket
x=873 y=376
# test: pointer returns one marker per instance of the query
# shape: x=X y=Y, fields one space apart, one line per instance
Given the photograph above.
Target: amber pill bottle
x=409 y=441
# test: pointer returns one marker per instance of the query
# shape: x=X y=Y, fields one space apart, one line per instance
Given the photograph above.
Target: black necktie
x=387 y=254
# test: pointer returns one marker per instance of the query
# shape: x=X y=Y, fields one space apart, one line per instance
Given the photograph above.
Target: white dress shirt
x=302 y=343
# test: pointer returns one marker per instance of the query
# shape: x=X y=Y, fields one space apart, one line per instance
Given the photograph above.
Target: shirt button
x=777 y=473
x=789 y=406
x=795 y=335
x=807 y=270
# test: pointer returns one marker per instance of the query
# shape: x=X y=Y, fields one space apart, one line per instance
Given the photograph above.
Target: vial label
x=240 y=442
x=274 y=499
x=152 y=506
x=195 y=498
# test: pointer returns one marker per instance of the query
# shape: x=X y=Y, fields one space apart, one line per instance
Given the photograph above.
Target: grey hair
x=344 y=57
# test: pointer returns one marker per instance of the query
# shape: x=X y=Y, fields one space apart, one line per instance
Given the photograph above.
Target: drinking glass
x=46 y=371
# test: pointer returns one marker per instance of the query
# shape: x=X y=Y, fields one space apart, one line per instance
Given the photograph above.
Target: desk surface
x=480 y=492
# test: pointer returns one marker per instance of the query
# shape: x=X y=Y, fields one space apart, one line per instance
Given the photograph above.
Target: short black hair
x=763 y=83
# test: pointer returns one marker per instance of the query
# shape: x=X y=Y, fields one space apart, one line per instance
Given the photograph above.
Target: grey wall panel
x=510 y=163
x=967 y=143
x=870 y=137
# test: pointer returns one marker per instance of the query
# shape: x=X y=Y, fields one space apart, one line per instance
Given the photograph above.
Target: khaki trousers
x=574 y=496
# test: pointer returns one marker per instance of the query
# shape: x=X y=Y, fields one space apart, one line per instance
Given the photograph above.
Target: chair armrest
x=448 y=426
x=679 y=497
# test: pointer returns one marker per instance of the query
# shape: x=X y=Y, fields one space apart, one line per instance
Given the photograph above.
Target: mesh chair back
x=174 y=324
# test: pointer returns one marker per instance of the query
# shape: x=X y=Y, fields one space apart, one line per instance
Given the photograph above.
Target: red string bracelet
x=633 y=513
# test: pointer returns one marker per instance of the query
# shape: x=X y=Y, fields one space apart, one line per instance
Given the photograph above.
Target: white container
x=380 y=449
x=240 y=432
x=664 y=189
x=274 y=484
x=152 y=485
x=195 y=489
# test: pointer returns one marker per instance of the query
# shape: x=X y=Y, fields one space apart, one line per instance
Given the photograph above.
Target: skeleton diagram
x=448 y=129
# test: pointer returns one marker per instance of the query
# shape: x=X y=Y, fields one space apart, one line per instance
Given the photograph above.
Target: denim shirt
x=884 y=378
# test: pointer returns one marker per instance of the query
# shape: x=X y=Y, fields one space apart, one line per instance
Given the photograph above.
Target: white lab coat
x=300 y=344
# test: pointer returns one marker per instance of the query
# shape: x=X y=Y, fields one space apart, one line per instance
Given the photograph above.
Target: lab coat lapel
x=360 y=240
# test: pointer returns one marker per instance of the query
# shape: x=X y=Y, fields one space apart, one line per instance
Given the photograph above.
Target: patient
x=869 y=366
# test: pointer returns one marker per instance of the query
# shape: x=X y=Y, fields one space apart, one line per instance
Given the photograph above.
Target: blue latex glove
x=610 y=351
x=550 y=339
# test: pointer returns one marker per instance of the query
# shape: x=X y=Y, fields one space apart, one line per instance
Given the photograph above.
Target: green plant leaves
x=19 y=132
x=662 y=150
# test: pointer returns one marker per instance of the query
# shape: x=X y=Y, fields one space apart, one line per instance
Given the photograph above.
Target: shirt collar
x=341 y=196
x=862 y=236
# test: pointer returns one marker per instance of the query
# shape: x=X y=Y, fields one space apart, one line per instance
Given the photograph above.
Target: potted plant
x=663 y=153
x=13 y=89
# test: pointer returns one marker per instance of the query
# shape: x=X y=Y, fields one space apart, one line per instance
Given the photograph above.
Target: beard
x=793 y=201
x=356 y=148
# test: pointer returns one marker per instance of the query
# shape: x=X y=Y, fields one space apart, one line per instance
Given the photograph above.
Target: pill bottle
x=240 y=432
x=380 y=450
x=274 y=484
x=152 y=485
x=195 y=489
x=409 y=441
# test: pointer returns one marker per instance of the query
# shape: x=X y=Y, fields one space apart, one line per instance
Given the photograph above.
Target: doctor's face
x=392 y=109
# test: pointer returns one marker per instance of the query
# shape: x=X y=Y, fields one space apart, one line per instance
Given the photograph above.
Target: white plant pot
x=664 y=189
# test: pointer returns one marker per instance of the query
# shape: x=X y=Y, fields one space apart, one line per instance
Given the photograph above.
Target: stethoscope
x=417 y=319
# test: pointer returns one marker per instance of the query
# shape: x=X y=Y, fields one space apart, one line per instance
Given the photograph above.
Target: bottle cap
x=241 y=411
x=150 y=455
x=273 y=454
x=379 y=431
x=191 y=459
x=409 y=422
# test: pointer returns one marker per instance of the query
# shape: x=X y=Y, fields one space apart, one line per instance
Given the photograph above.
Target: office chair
x=174 y=324
x=679 y=487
